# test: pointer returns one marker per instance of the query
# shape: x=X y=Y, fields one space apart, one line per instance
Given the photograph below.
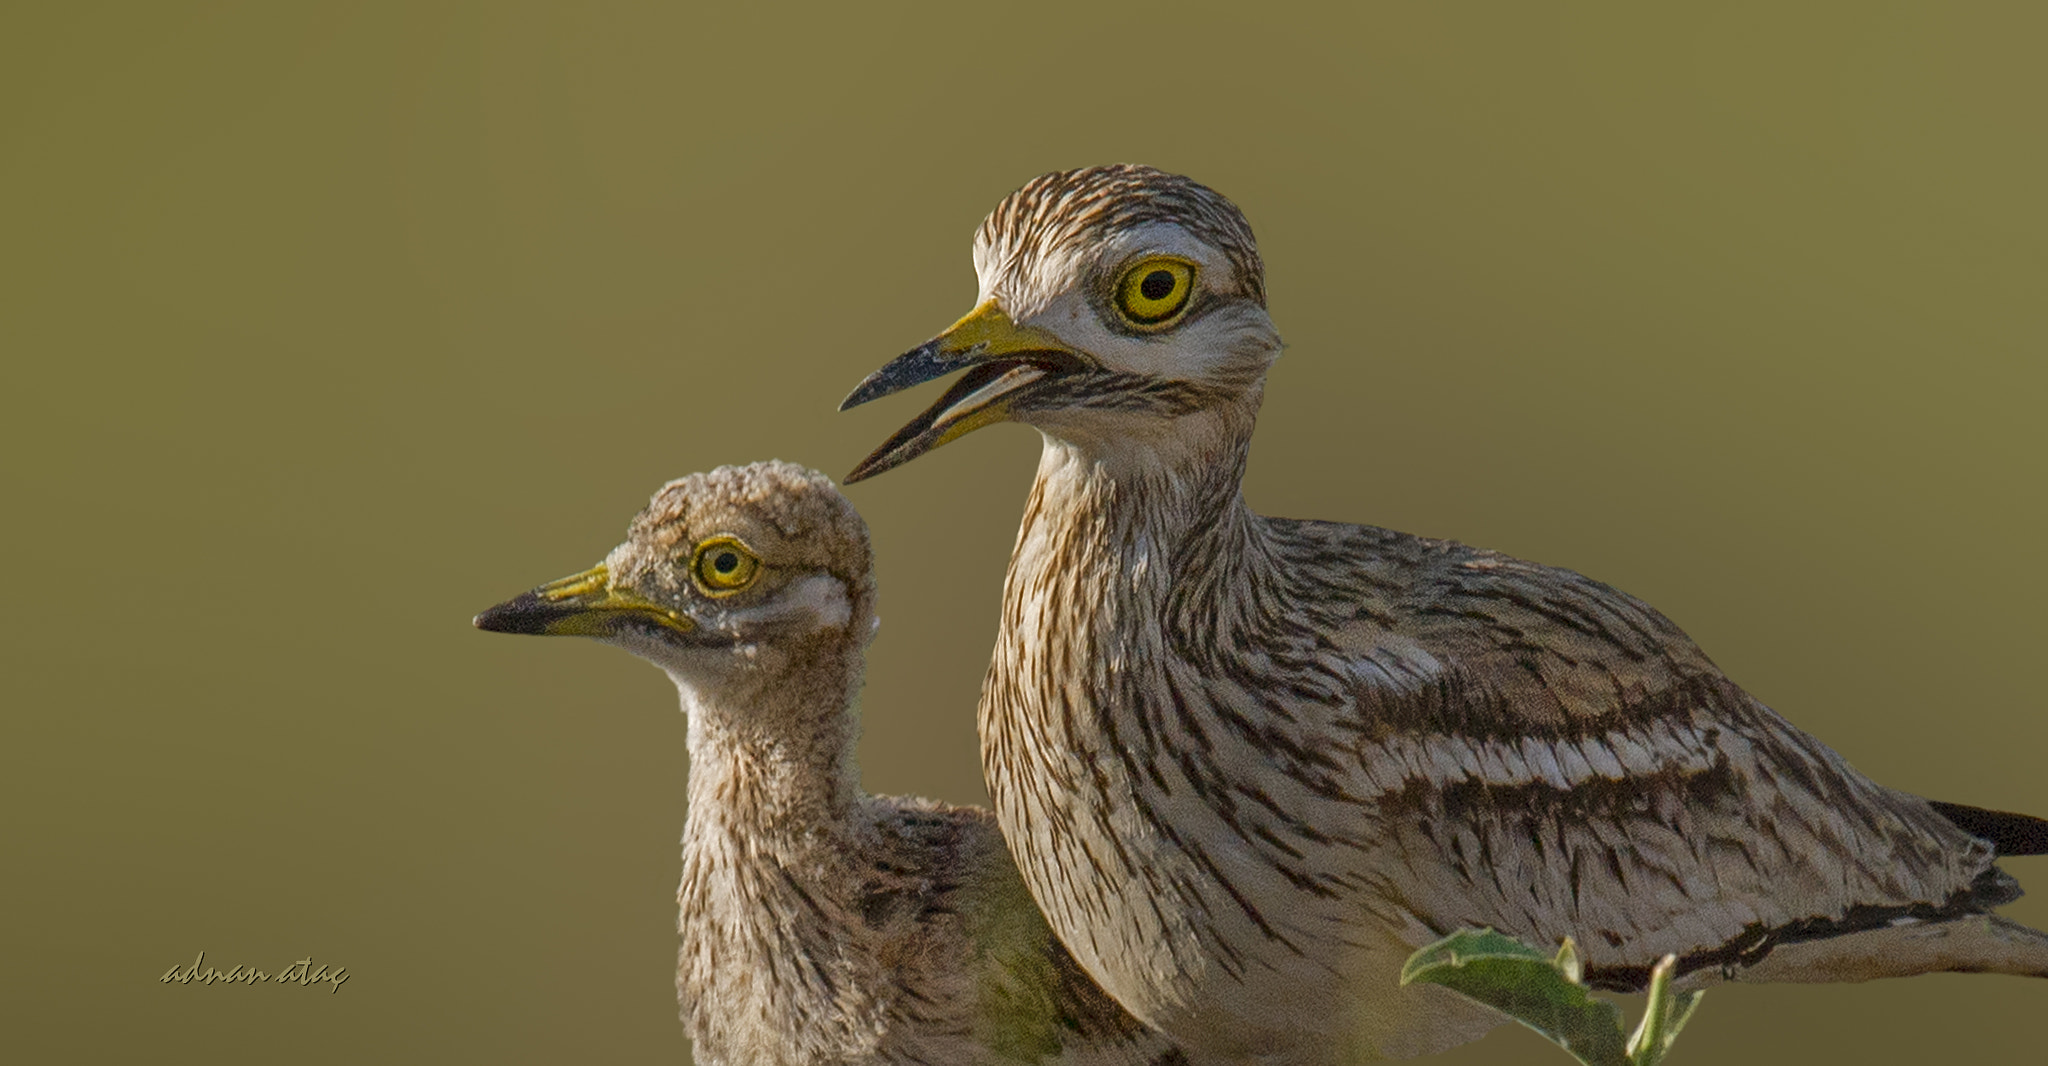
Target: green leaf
x=1663 y=1018
x=1529 y=986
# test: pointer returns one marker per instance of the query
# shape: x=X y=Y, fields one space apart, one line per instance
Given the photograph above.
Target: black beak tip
x=873 y=387
x=914 y=367
x=517 y=615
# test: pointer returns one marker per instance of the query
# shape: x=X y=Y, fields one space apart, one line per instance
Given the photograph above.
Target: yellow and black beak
x=1002 y=360
x=581 y=605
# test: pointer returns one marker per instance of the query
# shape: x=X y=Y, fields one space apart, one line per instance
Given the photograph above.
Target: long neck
x=1121 y=566
x=771 y=761
x=1124 y=552
x=1124 y=534
x=771 y=849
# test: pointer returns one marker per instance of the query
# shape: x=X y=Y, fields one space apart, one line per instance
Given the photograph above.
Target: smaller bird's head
x=1115 y=302
x=741 y=572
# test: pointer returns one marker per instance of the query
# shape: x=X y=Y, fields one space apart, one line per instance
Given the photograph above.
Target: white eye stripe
x=819 y=596
x=826 y=599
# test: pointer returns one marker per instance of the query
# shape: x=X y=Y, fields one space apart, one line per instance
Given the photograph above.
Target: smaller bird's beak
x=580 y=605
x=1002 y=358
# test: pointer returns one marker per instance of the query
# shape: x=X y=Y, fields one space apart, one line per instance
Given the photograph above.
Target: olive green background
x=324 y=328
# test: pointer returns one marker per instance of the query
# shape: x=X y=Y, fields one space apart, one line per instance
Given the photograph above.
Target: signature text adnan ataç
x=298 y=973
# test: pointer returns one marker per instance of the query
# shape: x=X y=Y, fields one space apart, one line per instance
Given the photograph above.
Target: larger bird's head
x=1115 y=302
x=751 y=572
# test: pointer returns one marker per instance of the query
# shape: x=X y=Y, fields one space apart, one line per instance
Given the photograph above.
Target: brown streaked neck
x=772 y=757
x=773 y=846
x=1157 y=522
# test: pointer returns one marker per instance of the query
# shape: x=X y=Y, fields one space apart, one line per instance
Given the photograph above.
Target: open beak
x=581 y=605
x=1002 y=359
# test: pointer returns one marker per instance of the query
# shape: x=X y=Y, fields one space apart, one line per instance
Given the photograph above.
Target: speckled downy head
x=729 y=579
x=1116 y=303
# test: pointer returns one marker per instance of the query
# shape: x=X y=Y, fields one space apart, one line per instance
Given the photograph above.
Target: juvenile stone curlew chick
x=1248 y=764
x=819 y=924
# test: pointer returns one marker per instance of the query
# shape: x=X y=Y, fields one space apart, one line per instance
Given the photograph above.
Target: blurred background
x=326 y=327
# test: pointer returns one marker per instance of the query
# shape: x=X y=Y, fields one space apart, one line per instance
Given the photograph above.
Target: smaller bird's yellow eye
x=723 y=565
x=1155 y=291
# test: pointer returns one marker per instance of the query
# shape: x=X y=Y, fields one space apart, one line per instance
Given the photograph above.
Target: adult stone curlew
x=1248 y=764
x=820 y=925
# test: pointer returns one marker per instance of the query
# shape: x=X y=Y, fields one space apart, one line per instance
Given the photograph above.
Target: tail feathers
x=2011 y=834
x=1975 y=943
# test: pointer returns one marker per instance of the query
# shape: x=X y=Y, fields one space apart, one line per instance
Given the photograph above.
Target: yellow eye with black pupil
x=1155 y=291
x=725 y=565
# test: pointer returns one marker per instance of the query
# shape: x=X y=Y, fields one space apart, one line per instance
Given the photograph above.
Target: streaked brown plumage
x=1248 y=764
x=820 y=925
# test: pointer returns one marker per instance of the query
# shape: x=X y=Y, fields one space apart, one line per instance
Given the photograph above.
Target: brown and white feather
x=820 y=925
x=1248 y=764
